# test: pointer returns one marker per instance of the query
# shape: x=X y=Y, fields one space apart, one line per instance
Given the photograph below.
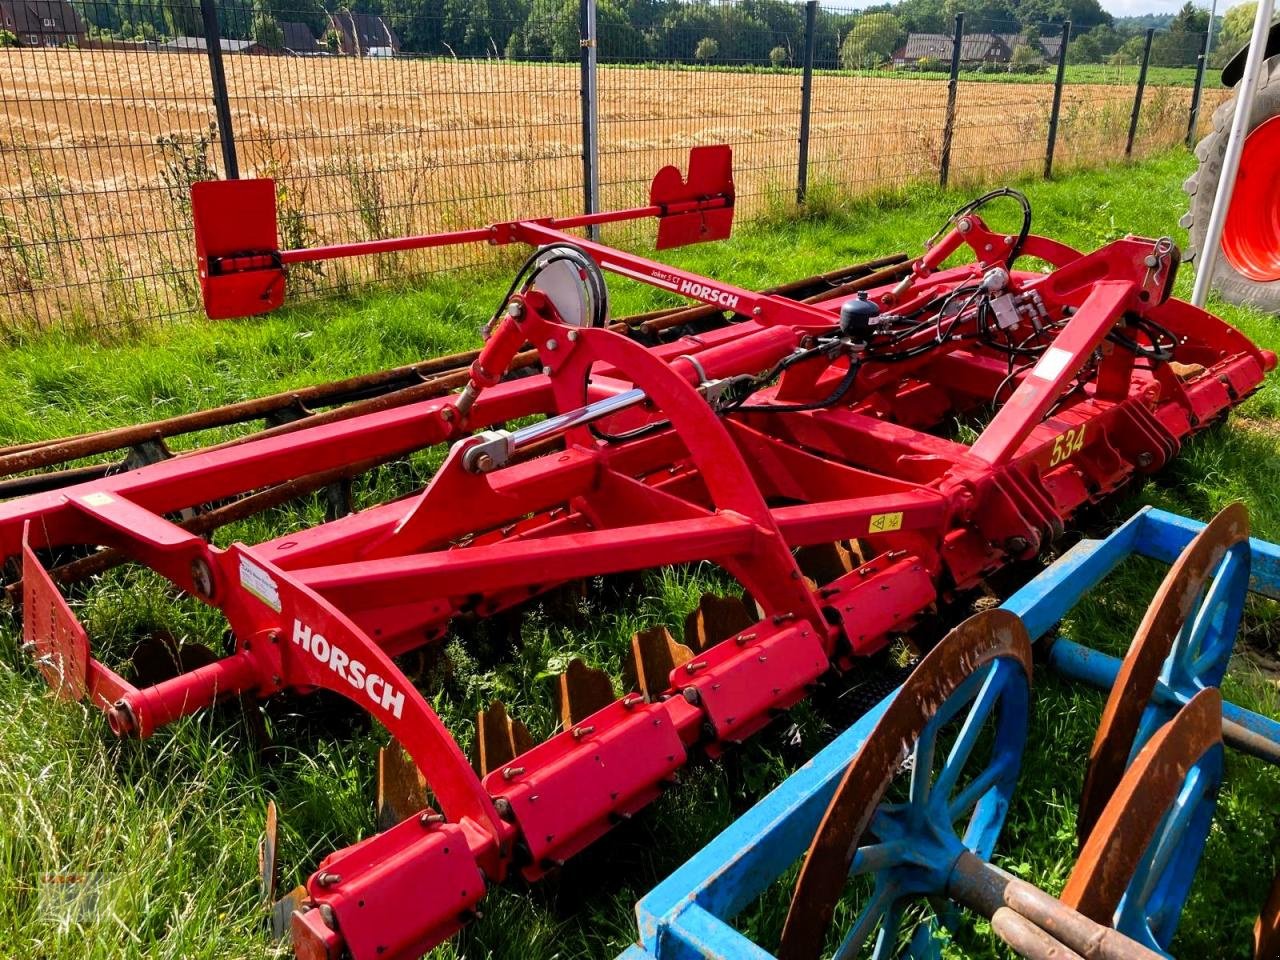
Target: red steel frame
x=331 y=606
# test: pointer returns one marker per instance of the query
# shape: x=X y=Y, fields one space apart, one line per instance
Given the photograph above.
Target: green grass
x=168 y=827
x=1107 y=73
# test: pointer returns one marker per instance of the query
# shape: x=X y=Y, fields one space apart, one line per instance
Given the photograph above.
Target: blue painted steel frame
x=687 y=915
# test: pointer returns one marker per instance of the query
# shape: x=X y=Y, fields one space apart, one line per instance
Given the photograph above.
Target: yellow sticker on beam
x=885 y=522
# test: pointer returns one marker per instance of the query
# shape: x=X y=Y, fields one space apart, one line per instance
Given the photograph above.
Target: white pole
x=1208 y=42
x=1208 y=258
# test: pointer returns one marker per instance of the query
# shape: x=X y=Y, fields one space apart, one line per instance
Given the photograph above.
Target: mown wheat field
x=99 y=147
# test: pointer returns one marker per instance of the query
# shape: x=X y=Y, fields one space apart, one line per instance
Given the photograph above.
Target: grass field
x=168 y=828
x=101 y=146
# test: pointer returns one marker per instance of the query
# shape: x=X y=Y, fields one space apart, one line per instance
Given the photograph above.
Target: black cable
x=1016 y=250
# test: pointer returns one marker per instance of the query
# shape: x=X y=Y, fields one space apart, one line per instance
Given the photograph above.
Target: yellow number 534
x=1065 y=444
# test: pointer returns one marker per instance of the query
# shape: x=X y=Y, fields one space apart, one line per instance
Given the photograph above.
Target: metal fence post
x=1057 y=100
x=948 y=130
x=590 y=113
x=221 y=103
x=1193 y=118
x=1137 y=97
x=806 y=97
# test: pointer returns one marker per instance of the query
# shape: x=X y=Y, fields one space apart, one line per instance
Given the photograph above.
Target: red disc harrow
x=799 y=426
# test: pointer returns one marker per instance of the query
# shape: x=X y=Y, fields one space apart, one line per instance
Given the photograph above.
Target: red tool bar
x=497 y=233
x=764 y=308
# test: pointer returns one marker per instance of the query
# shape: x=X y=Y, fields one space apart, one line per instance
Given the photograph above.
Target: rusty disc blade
x=1127 y=823
x=1172 y=605
x=1266 y=932
x=282 y=912
x=654 y=654
x=499 y=738
x=978 y=641
x=580 y=691
x=160 y=656
x=402 y=790
x=268 y=864
x=824 y=562
x=714 y=619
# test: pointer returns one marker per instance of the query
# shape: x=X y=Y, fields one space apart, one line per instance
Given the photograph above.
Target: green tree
x=310 y=12
x=779 y=56
x=982 y=16
x=1181 y=43
x=1025 y=59
x=708 y=49
x=182 y=18
x=1236 y=29
x=8 y=38
x=922 y=16
x=264 y=29
x=1130 y=52
x=1084 y=49
x=873 y=38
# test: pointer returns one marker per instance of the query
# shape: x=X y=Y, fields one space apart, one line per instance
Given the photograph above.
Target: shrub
x=708 y=49
x=8 y=38
x=779 y=56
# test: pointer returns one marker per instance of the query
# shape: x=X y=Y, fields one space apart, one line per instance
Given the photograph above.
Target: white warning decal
x=1052 y=363
x=258 y=582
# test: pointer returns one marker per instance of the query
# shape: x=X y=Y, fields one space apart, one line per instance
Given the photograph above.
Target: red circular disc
x=1251 y=237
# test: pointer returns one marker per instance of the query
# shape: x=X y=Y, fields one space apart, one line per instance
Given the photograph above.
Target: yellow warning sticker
x=885 y=522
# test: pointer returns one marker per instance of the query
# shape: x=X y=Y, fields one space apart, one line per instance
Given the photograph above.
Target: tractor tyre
x=1248 y=266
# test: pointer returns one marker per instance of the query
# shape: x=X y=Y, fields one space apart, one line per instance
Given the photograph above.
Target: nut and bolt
x=510 y=773
x=328 y=879
x=515 y=309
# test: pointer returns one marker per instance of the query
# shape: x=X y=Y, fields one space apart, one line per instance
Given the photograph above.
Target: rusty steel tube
x=985 y=889
x=433 y=374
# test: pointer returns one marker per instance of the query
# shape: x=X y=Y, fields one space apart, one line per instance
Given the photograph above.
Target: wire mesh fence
x=380 y=124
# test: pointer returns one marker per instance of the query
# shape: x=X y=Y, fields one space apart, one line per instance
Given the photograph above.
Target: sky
x=1133 y=8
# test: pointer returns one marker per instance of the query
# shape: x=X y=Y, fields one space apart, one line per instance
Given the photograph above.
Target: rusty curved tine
x=1170 y=609
x=980 y=640
x=1126 y=826
x=1266 y=931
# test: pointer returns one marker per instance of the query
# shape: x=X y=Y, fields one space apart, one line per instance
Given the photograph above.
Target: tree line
x=746 y=32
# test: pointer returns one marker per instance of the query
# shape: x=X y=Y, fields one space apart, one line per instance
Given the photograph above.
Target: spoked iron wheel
x=1180 y=653
x=1182 y=647
x=1136 y=868
x=918 y=794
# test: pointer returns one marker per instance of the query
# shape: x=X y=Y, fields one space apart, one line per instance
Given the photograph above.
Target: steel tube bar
x=554 y=426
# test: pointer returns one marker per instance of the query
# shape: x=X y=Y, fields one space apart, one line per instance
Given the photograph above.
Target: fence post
x=590 y=113
x=806 y=97
x=1137 y=97
x=221 y=103
x=1193 y=119
x=953 y=84
x=1057 y=100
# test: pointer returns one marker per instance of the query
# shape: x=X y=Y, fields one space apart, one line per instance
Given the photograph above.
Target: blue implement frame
x=688 y=915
